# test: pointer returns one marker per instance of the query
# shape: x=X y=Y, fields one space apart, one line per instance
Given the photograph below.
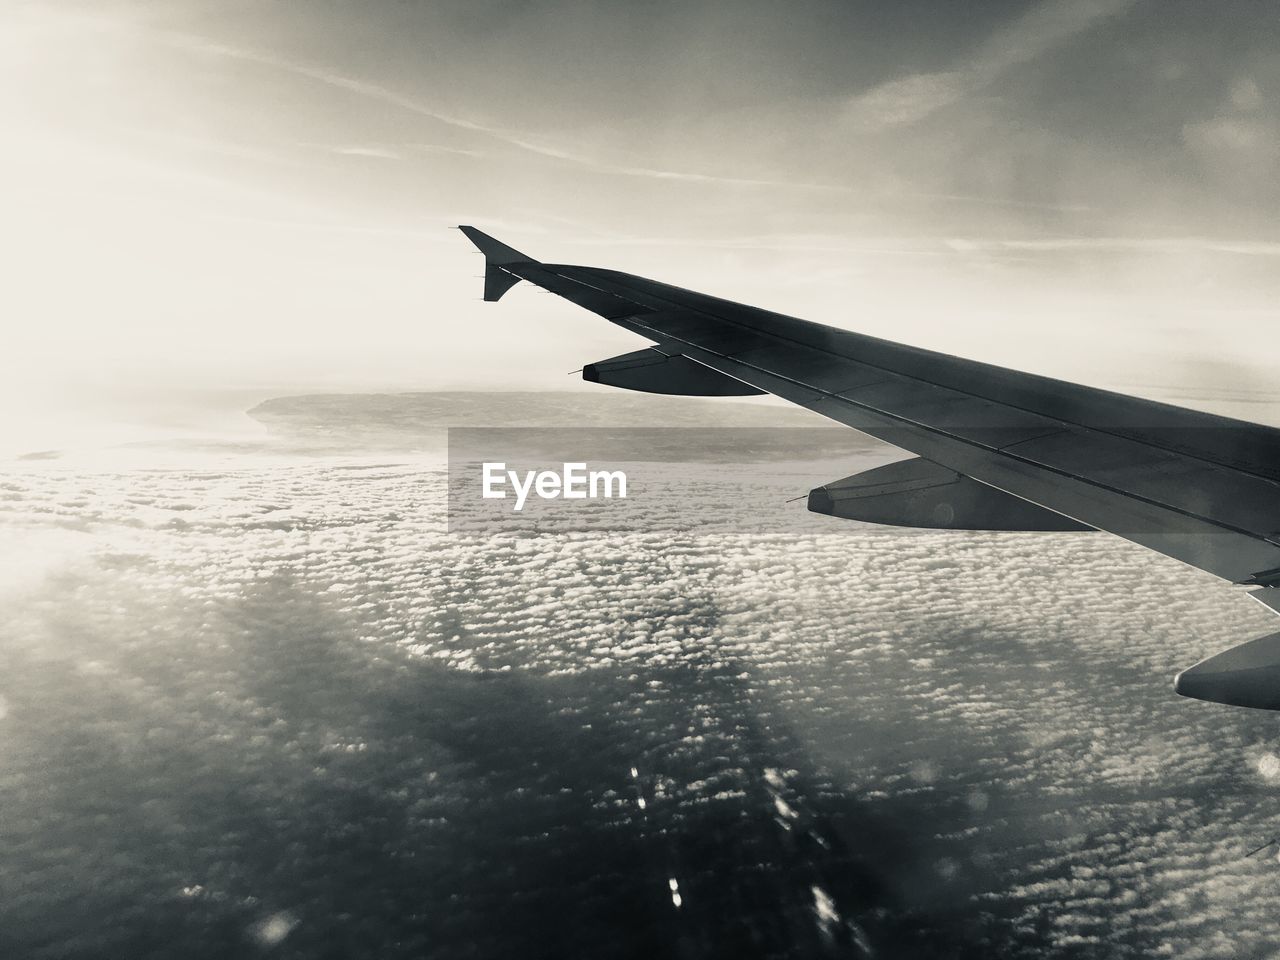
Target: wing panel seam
x=889 y=370
x=996 y=450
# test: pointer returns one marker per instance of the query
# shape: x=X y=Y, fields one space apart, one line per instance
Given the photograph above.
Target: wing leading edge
x=1200 y=488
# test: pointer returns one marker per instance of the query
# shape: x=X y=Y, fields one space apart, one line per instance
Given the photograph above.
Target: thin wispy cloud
x=371 y=152
x=440 y=148
x=515 y=139
x=1251 y=248
x=392 y=151
x=1007 y=202
x=935 y=246
x=909 y=99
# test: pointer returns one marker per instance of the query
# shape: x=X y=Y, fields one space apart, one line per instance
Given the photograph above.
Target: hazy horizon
x=204 y=197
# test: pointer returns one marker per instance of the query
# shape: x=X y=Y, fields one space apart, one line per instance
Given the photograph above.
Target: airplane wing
x=995 y=448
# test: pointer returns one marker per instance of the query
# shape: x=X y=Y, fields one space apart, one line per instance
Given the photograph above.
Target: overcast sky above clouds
x=221 y=195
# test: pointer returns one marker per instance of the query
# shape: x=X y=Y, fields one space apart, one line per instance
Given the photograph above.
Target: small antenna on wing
x=1270 y=843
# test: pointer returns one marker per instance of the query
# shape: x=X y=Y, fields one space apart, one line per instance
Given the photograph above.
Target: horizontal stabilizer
x=1244 y=676
x=920 y=493
x=653 y=371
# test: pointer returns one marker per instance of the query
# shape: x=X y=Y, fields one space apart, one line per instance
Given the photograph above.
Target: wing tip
x=495 y=251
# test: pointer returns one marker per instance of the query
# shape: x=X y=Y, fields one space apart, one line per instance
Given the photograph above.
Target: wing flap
x=1247 y=675
x=653 y=371
x=917 y=493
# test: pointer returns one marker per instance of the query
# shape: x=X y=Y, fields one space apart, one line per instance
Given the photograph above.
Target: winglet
x=493 y=250
x=497 y=255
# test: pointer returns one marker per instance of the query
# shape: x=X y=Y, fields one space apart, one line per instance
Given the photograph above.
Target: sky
x=237 y=200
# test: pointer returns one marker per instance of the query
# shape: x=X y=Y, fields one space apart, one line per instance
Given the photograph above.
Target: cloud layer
x=280 y=704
